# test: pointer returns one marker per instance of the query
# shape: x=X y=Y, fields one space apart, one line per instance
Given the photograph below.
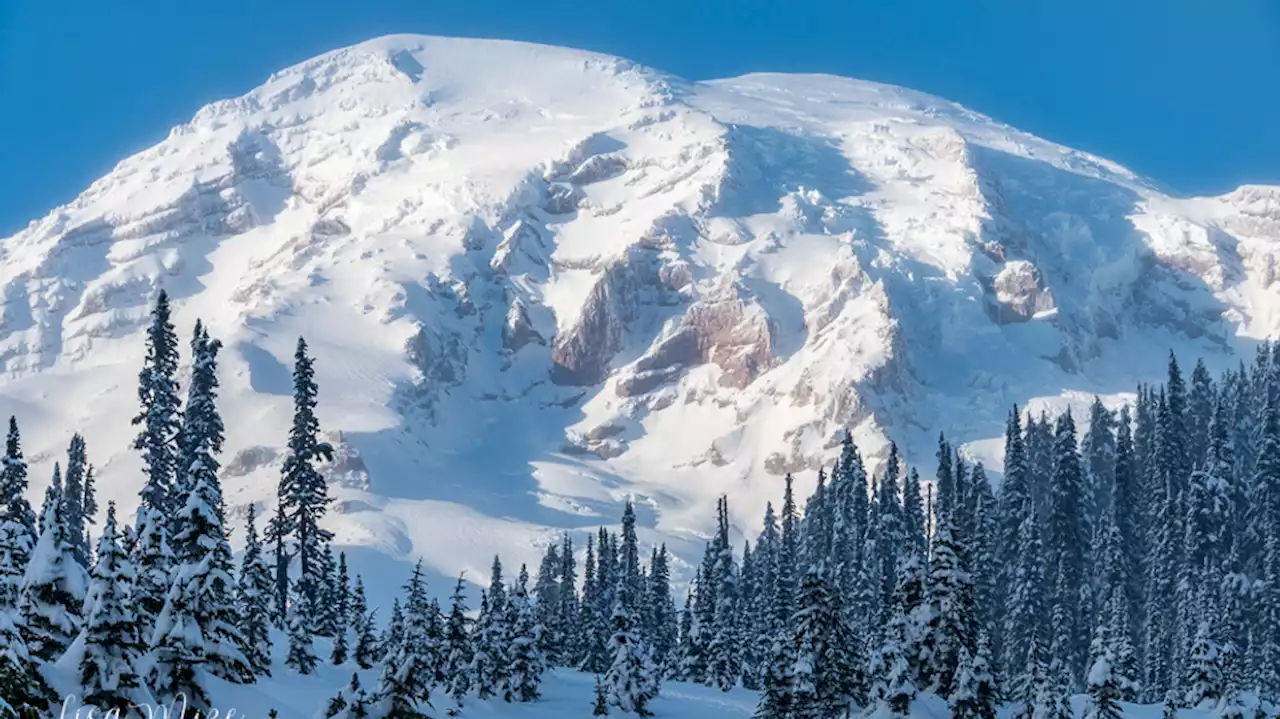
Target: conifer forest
x=1130 y=556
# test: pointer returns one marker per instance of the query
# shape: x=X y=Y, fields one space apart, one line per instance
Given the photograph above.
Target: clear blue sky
x=1184 y=91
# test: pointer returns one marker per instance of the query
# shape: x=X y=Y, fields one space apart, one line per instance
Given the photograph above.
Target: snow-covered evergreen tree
x=22 y=687
x=490 y=667
x=160 y=417
x=73 y=488
x=569 y=615
x=975 y=695
x=527 y=661
x=303 y=493
x=632 y=680
x=364 y=648
x=201 y=552
x=111 y=642
x=53 y=589
x=828 y=674
x=151 y=558
x=354 y=703
x=457 y=651
x=298 y=625
x=342 y=619
x=1067 y=548
x=253 y=600
x=952 y=625
x=17 y=520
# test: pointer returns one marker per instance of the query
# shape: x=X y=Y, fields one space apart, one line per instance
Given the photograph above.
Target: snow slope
x=537 y=280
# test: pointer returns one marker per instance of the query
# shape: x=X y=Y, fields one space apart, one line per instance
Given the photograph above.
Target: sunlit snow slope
x=537 y=280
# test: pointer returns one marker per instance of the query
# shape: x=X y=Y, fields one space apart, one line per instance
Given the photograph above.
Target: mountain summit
x=536 y=280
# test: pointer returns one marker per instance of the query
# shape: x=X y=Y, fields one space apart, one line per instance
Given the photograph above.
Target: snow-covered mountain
x=537 y=280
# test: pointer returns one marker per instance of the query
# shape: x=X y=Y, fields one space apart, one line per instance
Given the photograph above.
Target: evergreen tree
x=663 y=622
x=17 y=520
x=490 y=668
x=1024 y=603
x=527 y=661
x=419 y=650
x=52 y=496
x=112 y=637
x=724 y=663
x=1067 y=548
x=591 y=649
x=568 y=618
x=393 y=634
x=402 y=693
x=277 y=536
x=303 y=493
x=1126 y=519
x=53 y=589
x=1204 y=680
x=202 y=554
x=357 y=706
x=600 y=707
x=952 y=626
x=1199 y=413
x=984 y=552
x=180 y=654
x=828 y=674
x=546 y=594
x=326 y=621
x=631 y=681
x=975 y=695
x=253 y=601
x=22 y=687
x=302 y=654
x=160 y=417
x=151 y=555
x=458 y=653
x=1098 y=451
x=341 y=613
x=73 y=485
x=365 y=649
x=1053 y=699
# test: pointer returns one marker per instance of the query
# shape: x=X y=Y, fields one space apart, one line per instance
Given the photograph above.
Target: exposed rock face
x=582 y=353
x=1019 y=293
x=725 y=330
x=518 y=331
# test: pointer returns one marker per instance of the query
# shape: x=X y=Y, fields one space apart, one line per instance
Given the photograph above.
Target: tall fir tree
x=457 y=651
x=1067 y=549
x=159 y=418
x=340 y=594
x=303 y=493
x=490 y=667
x=952 y=627
x=73 y=489
x=201 y=553
x=17 y=520
x=253 y=600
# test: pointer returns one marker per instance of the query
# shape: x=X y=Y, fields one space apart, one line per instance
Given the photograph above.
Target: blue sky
x=1184 y=91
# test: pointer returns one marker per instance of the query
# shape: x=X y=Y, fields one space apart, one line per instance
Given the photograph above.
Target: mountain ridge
x=539 y=279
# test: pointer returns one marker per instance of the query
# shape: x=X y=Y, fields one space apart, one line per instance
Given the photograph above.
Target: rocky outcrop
x=1018 y=293
x=518 y=331
x=582 y=354
x=724 y=329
